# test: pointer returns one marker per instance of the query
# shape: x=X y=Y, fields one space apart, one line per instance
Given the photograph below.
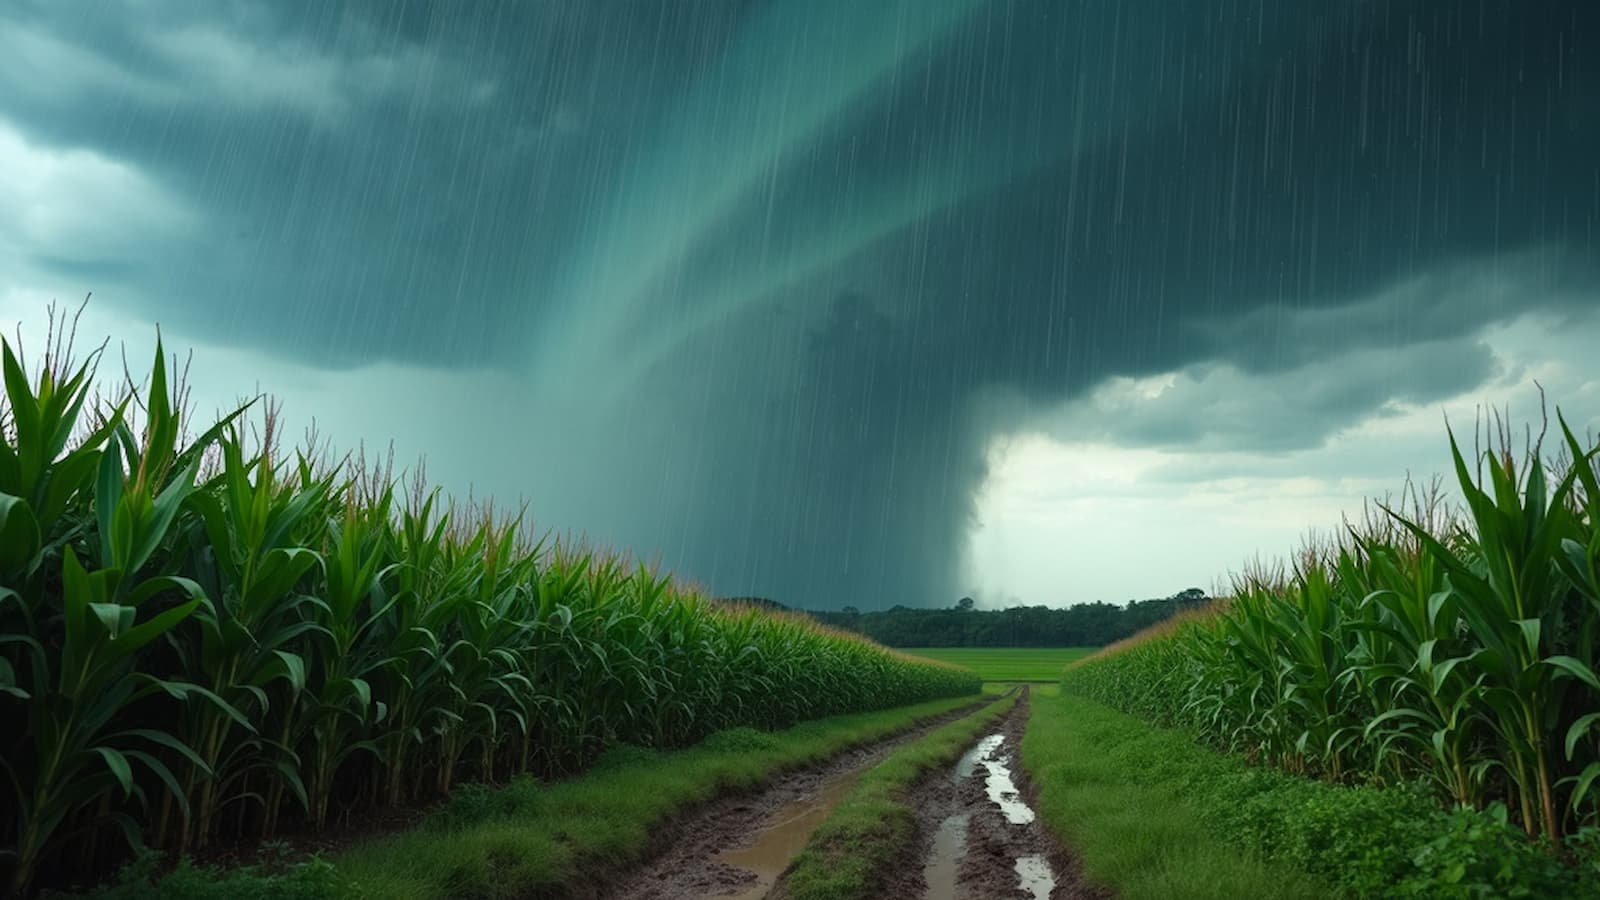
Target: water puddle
x=949 y=846
x=1036 y=877
x=776 y=845
x=1004 y=794
x=1034 y=874
x=969 y=761
x=1002 y=790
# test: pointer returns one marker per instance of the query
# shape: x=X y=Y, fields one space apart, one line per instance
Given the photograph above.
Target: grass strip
x=1225 y=828
x=873 y=825
x=1041 y=664
x=552 y=840
x=1119 y=791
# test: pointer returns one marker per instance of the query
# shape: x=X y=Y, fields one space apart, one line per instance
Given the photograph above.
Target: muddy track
x=978 y=835
x=687 y=863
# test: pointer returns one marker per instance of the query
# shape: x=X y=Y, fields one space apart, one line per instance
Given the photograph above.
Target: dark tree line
x=1084 y=625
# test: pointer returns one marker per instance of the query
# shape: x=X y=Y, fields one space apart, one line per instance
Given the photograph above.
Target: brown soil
x=699 y=834
x=988 y=869
x=975 y=858
x=686 y=867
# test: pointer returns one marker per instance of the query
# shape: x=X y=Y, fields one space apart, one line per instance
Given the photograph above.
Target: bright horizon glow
x=1061 y=520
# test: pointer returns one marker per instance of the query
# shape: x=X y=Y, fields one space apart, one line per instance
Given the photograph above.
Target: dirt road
x=980 y=838
x=735 y=848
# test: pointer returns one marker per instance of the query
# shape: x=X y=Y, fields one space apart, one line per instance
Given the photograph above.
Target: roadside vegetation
x=562 y=839
x=529 y=838
x=1007 y=664
x=1449 y=659
x=215 y=638
x=873 y=827
x=1132 y=803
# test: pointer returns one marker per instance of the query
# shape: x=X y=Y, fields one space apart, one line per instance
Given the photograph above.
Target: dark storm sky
x=766 y=278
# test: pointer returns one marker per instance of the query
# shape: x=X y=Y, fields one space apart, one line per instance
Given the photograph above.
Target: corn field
x=1452 y=646
x=215 y=639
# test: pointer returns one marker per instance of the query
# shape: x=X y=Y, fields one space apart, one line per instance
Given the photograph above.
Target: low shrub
x=1358 y=840
x=142 y=879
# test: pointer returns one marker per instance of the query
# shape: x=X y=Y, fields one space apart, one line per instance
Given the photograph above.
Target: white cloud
x=1217 y=405
x=65 y=202
x=1148 y=486
x=238 y=63
x=35 y=63
x=1448 y=302
x=224 y=66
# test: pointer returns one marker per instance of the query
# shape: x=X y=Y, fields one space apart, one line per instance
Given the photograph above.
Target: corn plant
x=1459 y=650
x=248 y=636
x=79 y=643
x=209 y=638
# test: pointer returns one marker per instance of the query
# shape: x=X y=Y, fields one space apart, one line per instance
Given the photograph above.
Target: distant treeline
x=1084 y=625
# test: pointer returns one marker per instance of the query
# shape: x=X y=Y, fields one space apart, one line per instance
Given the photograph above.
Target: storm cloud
x=759 y=282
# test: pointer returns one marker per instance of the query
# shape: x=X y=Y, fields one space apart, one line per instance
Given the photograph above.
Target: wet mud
x=736 y=848
x=980 y=835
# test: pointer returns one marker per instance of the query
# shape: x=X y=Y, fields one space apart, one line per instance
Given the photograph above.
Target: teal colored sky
x=830 y=301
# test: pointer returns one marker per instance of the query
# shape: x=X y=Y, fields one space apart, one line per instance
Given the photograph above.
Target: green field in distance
x=1007 y=663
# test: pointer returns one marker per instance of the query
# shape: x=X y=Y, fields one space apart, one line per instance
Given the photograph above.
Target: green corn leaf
x=10 y=469
x=8 y=681
x=278 y=572
x=162 y=424
x=117 y=764
x=113 y=617
x=1530 y=636
x=163 y=510
x=1584 y=782
x=363 y=693
x=1393 y=715
x=1579 y=729
x=70 y=479
x=197 y=448
x=139 y=635
x=291 y=779
x=1442 y=672
x=151 y=587
x=24 y=414
x=260 y=695
x=166 y=740
x=183 y=691
x=160 y=770
x=19 y=534
x=131 y=832
x=108 y=502
x=77 y=592
x=293 y=669
x=1575 y=668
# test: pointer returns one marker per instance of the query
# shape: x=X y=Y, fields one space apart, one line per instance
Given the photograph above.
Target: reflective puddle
x=776 y=845
x=1035 y=876
x=1003 y=791
x=969 y=760
x=949 y=846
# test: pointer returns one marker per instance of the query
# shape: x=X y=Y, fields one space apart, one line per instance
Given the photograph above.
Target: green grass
x=1008 y=663
x=1155 y=814
x=872 y=825
x=1117 y=791
x=531 y=840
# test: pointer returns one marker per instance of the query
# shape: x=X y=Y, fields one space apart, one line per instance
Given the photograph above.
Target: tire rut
x=687 y=866
x=978 y=835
